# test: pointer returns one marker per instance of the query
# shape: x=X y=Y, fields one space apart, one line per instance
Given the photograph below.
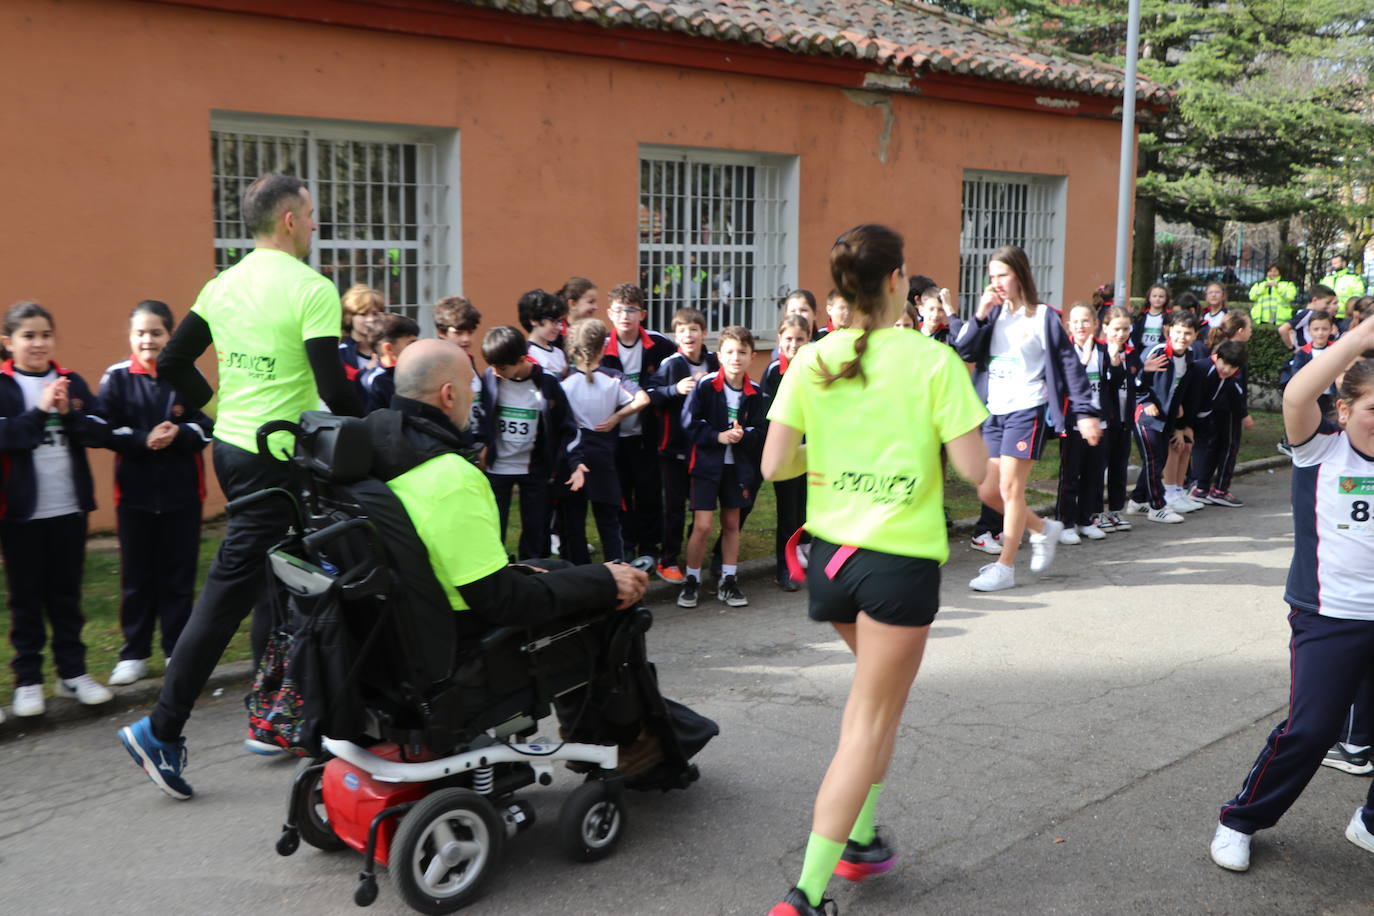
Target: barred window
x=379 y=198
x=1009 y=209
x=716 y=233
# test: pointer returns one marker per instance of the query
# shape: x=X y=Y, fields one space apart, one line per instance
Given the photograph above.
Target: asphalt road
x=1066 y=749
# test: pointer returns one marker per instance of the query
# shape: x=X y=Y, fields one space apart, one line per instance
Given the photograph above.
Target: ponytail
x=860 y=262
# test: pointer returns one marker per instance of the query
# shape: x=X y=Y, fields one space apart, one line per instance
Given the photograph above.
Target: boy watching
x=392 y=333
x=541 y=315
x=1215 y=396
x=637 y=354
x=1321 y=328
x=456 y=320
x=1294 y=332
x=668 y=389
x=724 y=419
x=529 y=435
x=837 y=310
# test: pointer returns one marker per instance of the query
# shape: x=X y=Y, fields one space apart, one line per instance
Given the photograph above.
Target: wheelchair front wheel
x=313 y=820
x=445 y=849
x=591 y=821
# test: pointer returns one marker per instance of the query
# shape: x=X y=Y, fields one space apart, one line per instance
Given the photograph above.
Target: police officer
x=1344 y=281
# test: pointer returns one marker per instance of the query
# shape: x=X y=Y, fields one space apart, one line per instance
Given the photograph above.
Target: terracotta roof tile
x=899 y=35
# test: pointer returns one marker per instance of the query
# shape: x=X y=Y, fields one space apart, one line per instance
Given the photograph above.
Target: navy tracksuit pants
x=158 y=553
x=1116 y=440
x=1081 y=468
x=1329 y=658
x=44 y=561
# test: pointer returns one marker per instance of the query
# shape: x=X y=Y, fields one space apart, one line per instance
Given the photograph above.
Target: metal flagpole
x=1127 y=174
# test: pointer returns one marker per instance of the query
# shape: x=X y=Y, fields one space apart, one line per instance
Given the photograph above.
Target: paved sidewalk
x=1113 y=706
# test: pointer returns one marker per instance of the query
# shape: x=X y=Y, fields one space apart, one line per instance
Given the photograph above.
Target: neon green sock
x=863 y=832
x=822 y=856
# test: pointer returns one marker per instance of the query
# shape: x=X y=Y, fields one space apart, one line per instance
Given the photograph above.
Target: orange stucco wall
x=107 y=177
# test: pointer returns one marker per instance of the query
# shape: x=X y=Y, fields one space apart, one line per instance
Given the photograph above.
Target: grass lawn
x=103 y=638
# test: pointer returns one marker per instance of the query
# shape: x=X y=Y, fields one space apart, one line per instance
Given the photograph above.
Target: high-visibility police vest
x=1346 y=284
x=1272 y=304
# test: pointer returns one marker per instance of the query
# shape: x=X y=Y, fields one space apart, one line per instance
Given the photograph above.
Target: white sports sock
x=695 y=573
x=727 y=569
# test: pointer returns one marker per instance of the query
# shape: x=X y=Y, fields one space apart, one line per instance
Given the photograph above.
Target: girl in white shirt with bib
x=1330 y=594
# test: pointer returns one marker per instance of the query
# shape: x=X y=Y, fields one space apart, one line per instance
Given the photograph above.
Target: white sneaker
x=1119 y=523
x=1358 y=833
x=993 y=578
x=1044 y=544
x=1135 y=508
x=1231 y=848
x=1182 y=505
x=128 y=670
x=1092 y=532
x=86 y=690
x=1165 y=515
x=987 y=542
x=1069 y=535
x=28 y=700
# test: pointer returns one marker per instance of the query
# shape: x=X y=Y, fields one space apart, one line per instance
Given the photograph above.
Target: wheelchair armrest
x=238 y=505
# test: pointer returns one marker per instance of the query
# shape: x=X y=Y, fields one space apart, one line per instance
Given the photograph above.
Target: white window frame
x=1011 y=208
x=772 y=252
x=435 y=249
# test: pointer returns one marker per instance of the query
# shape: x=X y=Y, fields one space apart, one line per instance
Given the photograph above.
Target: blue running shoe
x=163 y=762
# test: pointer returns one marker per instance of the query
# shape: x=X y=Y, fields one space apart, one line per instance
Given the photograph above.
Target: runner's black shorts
x=892 y=589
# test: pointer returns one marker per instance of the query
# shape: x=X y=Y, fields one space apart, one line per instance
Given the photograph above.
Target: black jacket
x=557 y=445
x=22 y=430
x=1156 y=387
x=410 y=433
x=705 y=416
x=1066 y=384
x=170 y=479
x=667 y=403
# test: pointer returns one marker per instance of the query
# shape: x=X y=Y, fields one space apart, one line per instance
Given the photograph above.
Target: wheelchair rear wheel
x=591 y=821
x=445 y=849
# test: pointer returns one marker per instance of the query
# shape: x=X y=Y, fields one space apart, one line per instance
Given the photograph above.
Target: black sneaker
x=1338 y=758
x=688 y=596
x=858 y=862
x=796 y=904
x=728 y=591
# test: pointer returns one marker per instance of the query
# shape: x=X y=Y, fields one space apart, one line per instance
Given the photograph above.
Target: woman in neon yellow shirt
x=874 y=510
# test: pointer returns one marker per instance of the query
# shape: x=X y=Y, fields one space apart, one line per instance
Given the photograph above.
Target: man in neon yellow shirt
x=417 y=452
x=1346 y=283
x=274 y=323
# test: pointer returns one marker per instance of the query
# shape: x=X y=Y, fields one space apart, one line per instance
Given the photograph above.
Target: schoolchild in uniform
x=838 y=313
x=542 y=316
x=1331 y=616
x=1159 y=418
x=1321 y=327
x=1228 y=421
x=936 y=310
x=1215 y=394
x=1081 y=465
x=159 y=443
x=1121 y=368
x=48 y=416
x=1151 y=326
x=1035 y=383
x=725 y=419
x=667 y=390
x=1214 y=308
x=581 y=296
x=789 y=495
x=393 y=333
x=529 y=435
x=875 y=560
x=457 y=320
x=637 y=353
x=360 y=303
x=600 y=399
x=909 y=318
x=1294 y=332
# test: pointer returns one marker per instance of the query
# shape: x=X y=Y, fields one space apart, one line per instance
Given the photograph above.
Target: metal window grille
x=378 y=204
x=1007 y=210
x=712 y=237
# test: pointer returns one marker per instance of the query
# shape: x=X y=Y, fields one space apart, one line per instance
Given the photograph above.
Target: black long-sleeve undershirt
x=177 y=366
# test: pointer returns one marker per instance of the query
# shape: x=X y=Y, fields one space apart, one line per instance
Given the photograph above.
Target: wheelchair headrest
x=337 y=449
